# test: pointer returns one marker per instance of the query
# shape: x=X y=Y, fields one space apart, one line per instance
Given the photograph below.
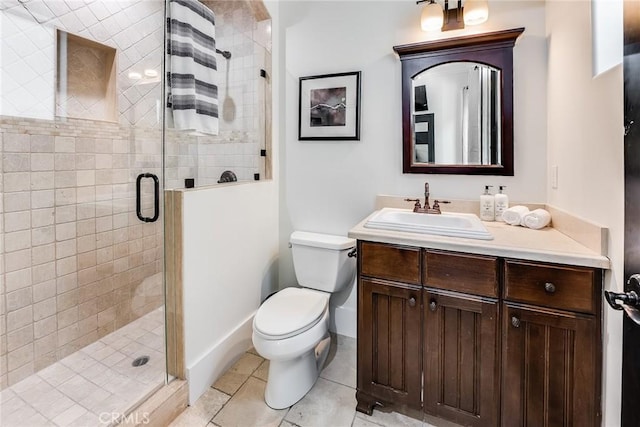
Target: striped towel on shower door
x=192 y=70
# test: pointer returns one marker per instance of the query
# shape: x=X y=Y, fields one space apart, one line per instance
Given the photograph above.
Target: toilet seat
x=290 y=312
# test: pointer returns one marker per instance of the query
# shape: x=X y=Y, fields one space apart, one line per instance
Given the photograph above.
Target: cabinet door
x=389 y=344
x=549 y=368
x=461 y=358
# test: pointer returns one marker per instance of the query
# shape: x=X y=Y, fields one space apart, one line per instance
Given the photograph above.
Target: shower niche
x=85 y=78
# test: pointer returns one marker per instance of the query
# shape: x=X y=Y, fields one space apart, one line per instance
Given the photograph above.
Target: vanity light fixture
x=434 y=17
x=476 y=12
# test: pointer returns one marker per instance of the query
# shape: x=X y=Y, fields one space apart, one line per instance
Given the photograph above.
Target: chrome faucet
x=426 y=196
x=427 y=208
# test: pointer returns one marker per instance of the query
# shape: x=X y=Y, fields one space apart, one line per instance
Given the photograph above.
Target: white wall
x=230 y=263
x=330 y=186
x=585 y=141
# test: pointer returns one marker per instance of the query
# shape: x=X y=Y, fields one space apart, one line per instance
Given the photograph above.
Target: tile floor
x=93 y=386
x=237 y=398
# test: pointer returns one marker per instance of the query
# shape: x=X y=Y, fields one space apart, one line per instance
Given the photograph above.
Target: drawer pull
x=433 y=305
x=515 y=322
x=549 y=287
x=412 y=302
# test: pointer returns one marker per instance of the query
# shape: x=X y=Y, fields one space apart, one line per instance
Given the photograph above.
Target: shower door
x=80 y=121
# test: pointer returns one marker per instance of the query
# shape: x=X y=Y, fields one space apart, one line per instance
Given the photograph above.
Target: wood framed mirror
x=457 y=104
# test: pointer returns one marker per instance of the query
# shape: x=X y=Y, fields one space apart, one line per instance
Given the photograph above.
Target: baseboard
x=218 y=359
x=343 y=321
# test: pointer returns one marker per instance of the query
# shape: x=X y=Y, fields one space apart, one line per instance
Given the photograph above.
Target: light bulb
x=432 y=17
x=475 y=12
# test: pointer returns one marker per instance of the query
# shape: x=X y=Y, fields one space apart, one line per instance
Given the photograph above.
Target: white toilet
x=291 y=328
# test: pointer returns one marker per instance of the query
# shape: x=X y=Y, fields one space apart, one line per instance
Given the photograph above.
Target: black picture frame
x=329 y=107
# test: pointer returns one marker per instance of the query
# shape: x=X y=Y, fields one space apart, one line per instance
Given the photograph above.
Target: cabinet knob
x=549 y=287
x=433 y=305
x=515 y=322
x=412 y=302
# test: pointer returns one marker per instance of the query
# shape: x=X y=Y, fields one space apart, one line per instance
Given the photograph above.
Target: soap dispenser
x=502 y=203
x=487 y=205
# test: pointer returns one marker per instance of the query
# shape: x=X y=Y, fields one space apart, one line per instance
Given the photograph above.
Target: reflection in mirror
x=456 y=115
x=456 y=118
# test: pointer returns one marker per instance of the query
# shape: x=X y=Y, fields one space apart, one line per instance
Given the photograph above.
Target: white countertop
x=547 y=245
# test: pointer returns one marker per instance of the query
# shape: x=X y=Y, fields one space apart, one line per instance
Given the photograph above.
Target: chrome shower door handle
x=156 y=197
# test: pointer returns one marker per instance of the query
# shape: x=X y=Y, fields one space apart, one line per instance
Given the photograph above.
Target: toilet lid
x=290 y=312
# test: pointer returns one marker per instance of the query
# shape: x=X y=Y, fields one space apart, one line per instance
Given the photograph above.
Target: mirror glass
x=456 y=116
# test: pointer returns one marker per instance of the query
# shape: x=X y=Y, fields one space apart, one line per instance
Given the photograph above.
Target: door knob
x=624 y=298
x=628 y=301
x=433 y=305
x=549 y=287
x=412 y=302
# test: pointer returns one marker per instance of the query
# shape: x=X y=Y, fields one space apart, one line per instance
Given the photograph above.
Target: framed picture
x=329 y=107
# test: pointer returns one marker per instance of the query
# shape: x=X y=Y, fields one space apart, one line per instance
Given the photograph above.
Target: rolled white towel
x=513 y=215
x=537 y=219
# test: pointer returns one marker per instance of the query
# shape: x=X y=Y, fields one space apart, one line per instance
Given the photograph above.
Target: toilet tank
x=321 y=261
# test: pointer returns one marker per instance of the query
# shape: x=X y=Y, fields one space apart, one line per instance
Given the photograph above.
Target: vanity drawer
x=390 y=262
x=472 y=274
x=563 y=287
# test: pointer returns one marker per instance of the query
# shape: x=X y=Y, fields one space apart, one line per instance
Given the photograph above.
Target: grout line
x=289 y=422
x=336 y=382
x=355 y=415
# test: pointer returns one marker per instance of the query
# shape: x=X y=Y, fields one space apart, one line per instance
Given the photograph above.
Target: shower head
x=224 y=53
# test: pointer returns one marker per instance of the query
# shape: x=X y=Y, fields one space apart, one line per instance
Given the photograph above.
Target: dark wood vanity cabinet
x=460 y=337
x=478 y=340
x=389 y=326
x=389 y=355
x=550 y=368
x=551 y=351
x=461 y=375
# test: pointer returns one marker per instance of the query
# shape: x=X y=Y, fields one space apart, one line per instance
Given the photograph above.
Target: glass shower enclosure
x=81 y=245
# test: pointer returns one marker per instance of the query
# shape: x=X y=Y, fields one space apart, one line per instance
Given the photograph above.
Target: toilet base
x=290 y=380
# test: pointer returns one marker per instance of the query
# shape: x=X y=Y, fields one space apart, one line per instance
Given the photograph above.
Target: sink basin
x=446 y=224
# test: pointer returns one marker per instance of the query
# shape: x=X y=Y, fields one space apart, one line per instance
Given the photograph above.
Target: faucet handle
x=436 y=204
x=417 y=203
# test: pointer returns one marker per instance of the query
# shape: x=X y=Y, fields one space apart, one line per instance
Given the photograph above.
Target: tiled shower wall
x=78 y=262
x=75 y=262
x=241 y=96
x=135 y=28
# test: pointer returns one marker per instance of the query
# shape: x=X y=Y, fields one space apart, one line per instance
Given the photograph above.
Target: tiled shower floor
x=94 y=386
